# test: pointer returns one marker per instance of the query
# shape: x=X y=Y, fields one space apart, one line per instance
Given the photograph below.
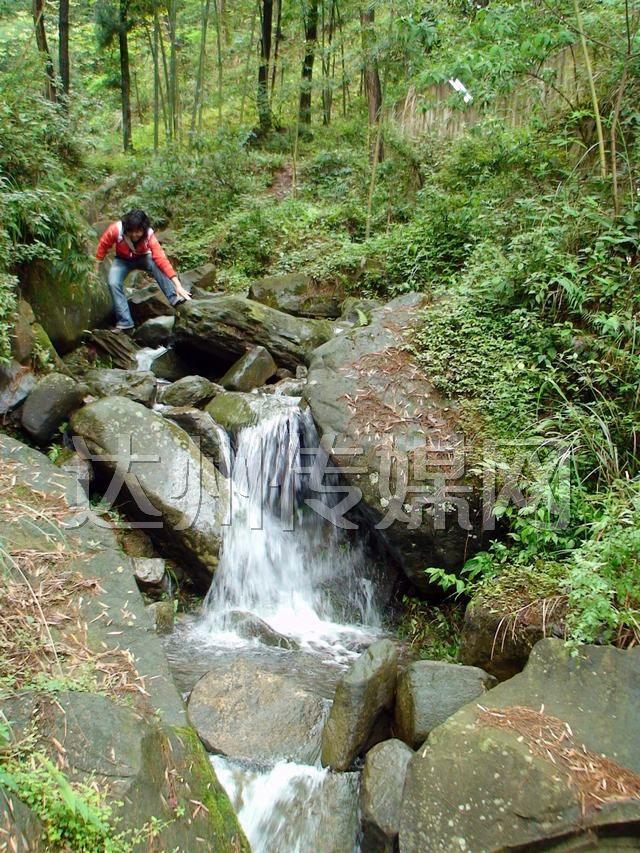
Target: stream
x=291 y=568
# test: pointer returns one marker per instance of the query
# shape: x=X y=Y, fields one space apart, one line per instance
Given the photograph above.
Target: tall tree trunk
x=155 y=47
x=372 y=86
x=276 y=50
x=125 y=77
x=245 y=82
x=198 y=95
x=219 y=24
x=168 y=112
x=63 y=47
x=41 y=41
x=264 y=108
x=310 y=39
x=327 y=57
x=174 y=112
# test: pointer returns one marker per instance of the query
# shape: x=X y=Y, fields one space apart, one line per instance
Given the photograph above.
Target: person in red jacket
x=137 y=248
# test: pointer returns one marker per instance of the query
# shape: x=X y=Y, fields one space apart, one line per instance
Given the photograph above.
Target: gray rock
x=155 y=332
x=297 y=294
x=22 y=335
x=189 y=391
x=148 y=302
x=484 y=779
x=249 y=713
x=175 y=491
x=50 y=404
x=21 y=830
x=234 y=410
x=137 y=385
x=205 y=433
x=363 y=699
x=226 y=326
x=385 y=768
x=251 y=371
x=367 y=394
x=150 y=573
x=80 y=468
x=66 y=307
x=429 y=692
x=163 y=615
x=16 y=383
x=251 y=627
x=203 y=277
x=171 y=366
x=357 y=312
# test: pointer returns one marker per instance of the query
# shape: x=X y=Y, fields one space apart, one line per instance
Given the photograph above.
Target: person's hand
x=181 y=292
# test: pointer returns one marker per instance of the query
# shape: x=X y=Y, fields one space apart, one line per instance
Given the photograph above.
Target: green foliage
x=433 y=633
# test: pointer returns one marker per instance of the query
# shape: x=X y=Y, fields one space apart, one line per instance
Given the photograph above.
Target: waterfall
x=281 y=560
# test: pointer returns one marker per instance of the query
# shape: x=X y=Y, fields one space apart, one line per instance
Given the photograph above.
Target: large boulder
x=246 y=712
x=251 y=371
x=137 y=385
x=549 y=759
x=163 y=480
x=226 y=326
x=189 y=391
x=65 y=307
x=431 y=691
x=297 y=294
x=397 y=442
x=361 y=706
x=385 y=768
x=16 y=383
x=234 y=410
x=22 y=335
x=203 y=277
x=50 y=404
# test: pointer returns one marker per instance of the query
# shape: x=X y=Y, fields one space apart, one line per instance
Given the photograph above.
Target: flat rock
x=385 y=769
x=399 y=444
x=485 y=779
x=431 y=691
x=21 y=830
x=50 y=404
x=251 y=371
x=136 y=385
x=249 y=713
x=364 y=697
x=226 y=326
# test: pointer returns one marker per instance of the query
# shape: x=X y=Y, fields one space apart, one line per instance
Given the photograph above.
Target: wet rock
x=203 y=277
x=66 y=307
x=485 y=779
x=205 y=433
x=189 y=391
x=246 y=712
x=22 y=336
x=16 y=383
x=150 y=574
x=366 y=393
x=285 y=388
x=226 y=326
x=20 y=828
x=148 y=302
x=163 y=615
x=50 y=404
x=155 y=332
x=297 y=294
x=494 y=639
x=173 y=489
x=251 y=627
x=137 y=385
x=364 y=697
x=385 y=769
x=234 y=410
x=429 y=692
x=251 y=371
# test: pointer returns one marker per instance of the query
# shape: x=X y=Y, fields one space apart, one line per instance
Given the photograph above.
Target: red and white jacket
x=147 y=245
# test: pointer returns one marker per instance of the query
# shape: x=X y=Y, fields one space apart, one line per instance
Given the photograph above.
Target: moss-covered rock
x=251 y=371
x=49 y=404
x=298 y=294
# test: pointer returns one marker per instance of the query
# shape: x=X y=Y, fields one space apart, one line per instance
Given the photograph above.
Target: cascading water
x=286 y=561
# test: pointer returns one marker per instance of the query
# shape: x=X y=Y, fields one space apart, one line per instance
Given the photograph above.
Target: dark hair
x=135 y=220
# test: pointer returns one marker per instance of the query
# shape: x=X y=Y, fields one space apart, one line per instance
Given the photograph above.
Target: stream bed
x=291 y=572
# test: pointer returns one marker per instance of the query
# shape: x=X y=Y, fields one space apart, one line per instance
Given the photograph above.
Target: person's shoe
x=178 y=301
x=123 y=330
